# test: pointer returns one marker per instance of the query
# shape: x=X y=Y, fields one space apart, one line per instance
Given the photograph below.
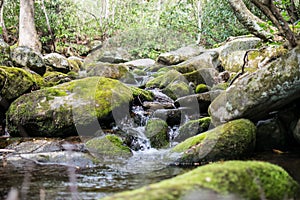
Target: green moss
x=16 y=82
x=74 y=65
x=139 y=72
x=164 y=80
x=177 y=89
x=143 y=95
x=201 y=88
x=245 y=179
x=157 y=132
x=109 y=145
x=189 y=143
x=232 y=140
x=220 y=86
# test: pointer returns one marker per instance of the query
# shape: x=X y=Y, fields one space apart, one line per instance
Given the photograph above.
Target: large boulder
x=233 y=140
x=25 y=57
x=53 y=112
x=255 y=95
x=223 y=180
x=13 y=83
x=232 y=52
x=111 y=55
x=208 y=59
x=179 y=55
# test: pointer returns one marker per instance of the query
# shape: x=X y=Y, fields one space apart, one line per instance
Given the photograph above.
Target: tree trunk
x=272 y=12
x=27 y=33
x=250 y=21
x=4 y=30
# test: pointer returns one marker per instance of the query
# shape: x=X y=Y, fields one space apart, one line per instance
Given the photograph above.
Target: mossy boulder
x=192 y=128
x=52 y=78
x=202 y=76
x=201 y=88
x=110 y=146
x=52 y=112
x=25 y=57
x=243 y=179
x=14 y=82
x=157 y=132
x=179 y=55
x=255 y=95
x=75 y=63
x=233 y=140
x=141 y=95
x=177 y=89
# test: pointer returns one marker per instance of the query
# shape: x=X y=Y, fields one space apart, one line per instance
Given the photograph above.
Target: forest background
x=145 y=27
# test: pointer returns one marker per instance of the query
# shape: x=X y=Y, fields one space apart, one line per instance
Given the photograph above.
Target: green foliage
x=149 y=42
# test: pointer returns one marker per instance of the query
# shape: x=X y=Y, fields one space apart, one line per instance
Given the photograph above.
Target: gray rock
x=179 y=55
x=57 y=62
x=25 y=57
x=254 y=95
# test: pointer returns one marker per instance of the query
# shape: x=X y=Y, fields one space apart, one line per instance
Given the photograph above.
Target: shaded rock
x=198 y=102
x=108 y=70
x=192 y=128
x=14 y=82
x=157 y=132
x=166 y=79
x=57 y=62
x=208 y=59
x=270 y=135
x=171 y=116
x=25 y=57
x=157 y=105
x=233 y=140
x=179 y=55
x=296 y=132
x=206 y=76
x=177 y=89
x=54 y=112
x=230 y=179
x=108 y=146
x=253 y=96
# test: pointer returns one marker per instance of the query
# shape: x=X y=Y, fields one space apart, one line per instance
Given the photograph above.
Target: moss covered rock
x=232 y=140
x=192 y=128
x=201 y=88
x=157 y=132
x=110 y=146
x=176 y=90
x=54 y=111
x=14 y=82
x=255 y=95
x=54 y=78
x=243 y=179
x=57 y=62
